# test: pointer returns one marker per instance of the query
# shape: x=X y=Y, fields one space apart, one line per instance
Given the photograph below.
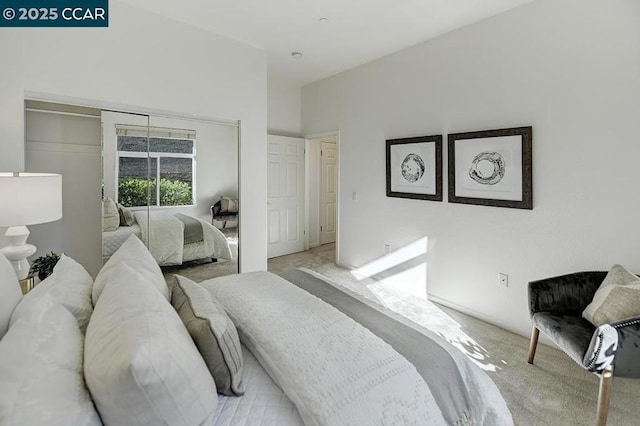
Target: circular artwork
x=412 y=168
x=487 y=168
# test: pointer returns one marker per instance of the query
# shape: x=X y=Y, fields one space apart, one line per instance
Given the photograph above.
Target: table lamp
x=27 y=199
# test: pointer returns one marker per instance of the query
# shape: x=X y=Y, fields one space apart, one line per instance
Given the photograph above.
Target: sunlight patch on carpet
x=429 y=316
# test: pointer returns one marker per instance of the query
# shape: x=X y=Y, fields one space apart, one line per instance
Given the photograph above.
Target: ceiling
x=356 y=31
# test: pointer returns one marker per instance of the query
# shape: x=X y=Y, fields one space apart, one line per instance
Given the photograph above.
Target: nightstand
x=27 y=284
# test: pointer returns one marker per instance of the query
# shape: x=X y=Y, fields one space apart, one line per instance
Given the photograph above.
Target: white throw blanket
x=334 y=370
x=164 y=236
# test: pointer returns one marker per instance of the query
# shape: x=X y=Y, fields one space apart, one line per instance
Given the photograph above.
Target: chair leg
x=533 y=344
x=603 y=396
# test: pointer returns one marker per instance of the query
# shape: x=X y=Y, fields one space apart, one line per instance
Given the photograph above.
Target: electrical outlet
x=387 y=249
x=503 y=280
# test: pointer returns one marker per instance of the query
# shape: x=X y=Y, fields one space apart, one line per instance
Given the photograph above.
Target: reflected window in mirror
x=159 y=169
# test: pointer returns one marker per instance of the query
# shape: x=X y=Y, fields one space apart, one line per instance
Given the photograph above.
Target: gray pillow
x=617 y=298
x=126 y=216
x=213 y=333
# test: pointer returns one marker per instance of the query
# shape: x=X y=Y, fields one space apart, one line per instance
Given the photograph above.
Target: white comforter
x=334 y=370
x=163 y=233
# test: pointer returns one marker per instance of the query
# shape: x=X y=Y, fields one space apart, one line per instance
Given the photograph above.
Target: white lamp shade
x=30 y=198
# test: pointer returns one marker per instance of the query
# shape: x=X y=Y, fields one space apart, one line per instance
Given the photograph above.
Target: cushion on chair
x=617 y=298
x=572 y=334
x=228 y=205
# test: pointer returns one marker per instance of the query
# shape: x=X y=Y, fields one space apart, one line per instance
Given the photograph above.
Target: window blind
x=154 y=132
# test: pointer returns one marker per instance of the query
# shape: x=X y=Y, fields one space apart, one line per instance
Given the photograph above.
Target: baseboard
x=479 y=315
x=346 y=266
x=314 y=245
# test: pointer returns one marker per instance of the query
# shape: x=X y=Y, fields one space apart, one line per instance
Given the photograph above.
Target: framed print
x=414 y=168
x=491 y=168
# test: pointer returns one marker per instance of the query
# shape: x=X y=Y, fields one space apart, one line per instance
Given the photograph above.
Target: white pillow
x=133 y=253
x=69 y=284
x=617 y=298
x=141 y=366
x=110 y=215
x=10 y=293
x=41 y=370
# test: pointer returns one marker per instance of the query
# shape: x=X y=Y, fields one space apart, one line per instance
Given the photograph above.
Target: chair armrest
x=565 y=294
x=627 y=360
x=618 y=344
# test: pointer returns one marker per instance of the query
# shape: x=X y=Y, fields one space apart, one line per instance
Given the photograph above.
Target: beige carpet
x=554 y=391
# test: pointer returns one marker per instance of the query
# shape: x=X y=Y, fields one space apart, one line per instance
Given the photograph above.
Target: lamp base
x=17 y=251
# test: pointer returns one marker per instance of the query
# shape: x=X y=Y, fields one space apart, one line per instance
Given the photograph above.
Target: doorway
x=328 y=190
x=285 y=195
x=322 y=189
x=303 y=193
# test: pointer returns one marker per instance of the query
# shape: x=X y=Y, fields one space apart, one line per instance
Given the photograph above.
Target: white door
x=285 y=195
x=328 y=192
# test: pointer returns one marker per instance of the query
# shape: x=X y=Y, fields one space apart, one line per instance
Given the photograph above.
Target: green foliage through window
x=132 y=192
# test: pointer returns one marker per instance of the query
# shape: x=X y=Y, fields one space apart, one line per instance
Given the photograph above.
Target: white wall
x=283 y=105
x=570 y=69
x=152 y=63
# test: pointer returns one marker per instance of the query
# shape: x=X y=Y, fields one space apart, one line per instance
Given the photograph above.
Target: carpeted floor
x=554 y=391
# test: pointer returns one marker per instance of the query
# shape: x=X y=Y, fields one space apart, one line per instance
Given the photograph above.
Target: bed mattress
x=264 y=403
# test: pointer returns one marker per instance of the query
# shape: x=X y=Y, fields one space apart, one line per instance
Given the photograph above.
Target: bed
x=306 y=351
x=172 y=239
x=307 y=363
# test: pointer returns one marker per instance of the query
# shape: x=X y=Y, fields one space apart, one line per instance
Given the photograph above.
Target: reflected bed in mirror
x=172 y=238
x=202 y=270
x=162 y=174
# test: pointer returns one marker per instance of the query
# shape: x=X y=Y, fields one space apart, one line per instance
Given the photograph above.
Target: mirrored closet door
x=65 y=139
x=167 y=175
x=128 y=173
x=125 y=179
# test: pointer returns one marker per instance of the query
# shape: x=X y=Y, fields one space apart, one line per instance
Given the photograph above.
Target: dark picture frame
x=491 y=168
x=414 y=167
